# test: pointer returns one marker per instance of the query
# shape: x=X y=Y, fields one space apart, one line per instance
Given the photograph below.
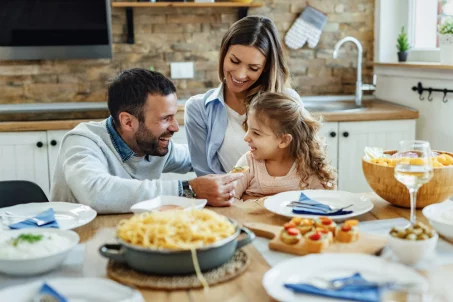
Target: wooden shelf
x=424 y=65
x=242 y=10
x=185 y=4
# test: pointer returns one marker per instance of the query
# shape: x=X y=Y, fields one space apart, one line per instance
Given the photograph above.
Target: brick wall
x=165 y=35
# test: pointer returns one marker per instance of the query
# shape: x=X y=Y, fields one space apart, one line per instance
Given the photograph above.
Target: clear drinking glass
x=414 y=168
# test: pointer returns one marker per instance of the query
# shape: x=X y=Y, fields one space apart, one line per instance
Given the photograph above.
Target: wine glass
x=414 y=168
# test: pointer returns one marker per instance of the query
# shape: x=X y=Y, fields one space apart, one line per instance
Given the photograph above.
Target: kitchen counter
x=12 y=120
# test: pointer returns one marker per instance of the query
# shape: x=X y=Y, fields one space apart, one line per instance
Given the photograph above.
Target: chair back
x=13 y=192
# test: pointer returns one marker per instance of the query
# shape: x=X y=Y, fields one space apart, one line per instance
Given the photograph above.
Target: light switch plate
x=182 y=70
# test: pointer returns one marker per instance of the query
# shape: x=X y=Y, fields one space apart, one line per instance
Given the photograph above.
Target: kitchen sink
x=331 y=106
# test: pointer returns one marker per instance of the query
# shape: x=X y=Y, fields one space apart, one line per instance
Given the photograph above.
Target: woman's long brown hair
x=261 y=33
x=285 y=115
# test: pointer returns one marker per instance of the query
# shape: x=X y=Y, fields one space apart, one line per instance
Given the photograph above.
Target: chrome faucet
x=359 y=86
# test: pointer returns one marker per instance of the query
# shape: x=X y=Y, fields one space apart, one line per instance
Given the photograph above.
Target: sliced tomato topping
x=315 y=236
x=293 y=231
x=289 y=225
x=346 y=227
x=326 y=222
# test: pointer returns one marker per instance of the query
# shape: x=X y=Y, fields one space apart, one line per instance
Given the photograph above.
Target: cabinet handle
x=346 y=134
x=333 y=134
x=53 y=142
x=39 y=144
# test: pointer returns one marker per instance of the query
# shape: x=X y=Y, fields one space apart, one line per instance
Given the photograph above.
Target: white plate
x=329 y=266
x=440 y=216
x=75 y=290
x=278 y=203
x=68 y=215
x=152 y=204
x=36 y=265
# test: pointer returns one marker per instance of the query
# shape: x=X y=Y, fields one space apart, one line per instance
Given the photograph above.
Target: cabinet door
x=329 y=131
x=355 y=136
x=54 y=138
x=23 y=156
x=179 y=138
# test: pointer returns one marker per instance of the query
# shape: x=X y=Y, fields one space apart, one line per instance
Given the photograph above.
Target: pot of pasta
x=176 y=242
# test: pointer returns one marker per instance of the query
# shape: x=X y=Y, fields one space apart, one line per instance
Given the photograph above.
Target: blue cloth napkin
x=362 y=292
x=48 y=216
x=46 y=290
x=314 y=205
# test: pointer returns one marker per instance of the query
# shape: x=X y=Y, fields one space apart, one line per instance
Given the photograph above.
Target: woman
x=251 y=61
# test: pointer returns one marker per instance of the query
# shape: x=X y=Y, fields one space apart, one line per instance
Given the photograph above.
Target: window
x=424 y=18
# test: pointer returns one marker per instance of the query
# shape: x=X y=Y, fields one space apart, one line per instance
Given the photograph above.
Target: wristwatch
x=187 y=190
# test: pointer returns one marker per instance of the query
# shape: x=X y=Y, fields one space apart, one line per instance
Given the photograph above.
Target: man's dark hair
x=129 y=90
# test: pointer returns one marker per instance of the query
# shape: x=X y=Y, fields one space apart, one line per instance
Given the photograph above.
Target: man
x=113 y=164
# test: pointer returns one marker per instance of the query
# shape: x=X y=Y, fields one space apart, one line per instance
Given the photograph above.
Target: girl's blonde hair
x=284 y=115
x=261 y=33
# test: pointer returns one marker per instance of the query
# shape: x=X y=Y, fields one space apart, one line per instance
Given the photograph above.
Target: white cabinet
x=54 y=138
x=330 y=133
x=345 y=147
x=23 y=156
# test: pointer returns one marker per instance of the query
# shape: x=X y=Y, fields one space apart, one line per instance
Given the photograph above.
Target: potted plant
x=446 y=41
x=402 y=44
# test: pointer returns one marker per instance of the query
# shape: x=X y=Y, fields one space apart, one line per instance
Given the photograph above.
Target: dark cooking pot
x=170 y=262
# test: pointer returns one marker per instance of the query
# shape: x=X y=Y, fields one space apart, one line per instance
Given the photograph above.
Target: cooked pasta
x=175 y=230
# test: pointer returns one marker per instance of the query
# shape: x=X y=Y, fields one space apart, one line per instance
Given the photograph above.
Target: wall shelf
x=242 y=10
x=185 y=4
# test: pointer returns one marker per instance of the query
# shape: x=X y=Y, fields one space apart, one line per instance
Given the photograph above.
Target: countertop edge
x=380 y=111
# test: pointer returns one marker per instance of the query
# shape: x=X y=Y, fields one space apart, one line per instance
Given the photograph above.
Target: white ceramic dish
x=68 y=215
x=361 y=205
x=75 y=289
x=440 y=216
x=329 y=266
x=411 y=252
x=154 y=204
x=38 y=265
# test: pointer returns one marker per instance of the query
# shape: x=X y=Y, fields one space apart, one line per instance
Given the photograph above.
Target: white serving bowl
x=37 y=265
x=440 y=216
x=152 y=204
x=410 y=251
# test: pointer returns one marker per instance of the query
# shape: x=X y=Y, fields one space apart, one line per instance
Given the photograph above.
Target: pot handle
x=249 y=238
x=112 y=251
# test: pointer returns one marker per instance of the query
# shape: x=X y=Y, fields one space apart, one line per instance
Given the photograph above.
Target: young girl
x=286 y=153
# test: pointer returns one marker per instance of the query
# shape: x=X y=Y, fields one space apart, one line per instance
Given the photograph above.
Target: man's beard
x=148 y=143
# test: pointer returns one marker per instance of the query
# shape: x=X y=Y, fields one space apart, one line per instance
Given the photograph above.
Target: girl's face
x=263 y=143
x=242 y=67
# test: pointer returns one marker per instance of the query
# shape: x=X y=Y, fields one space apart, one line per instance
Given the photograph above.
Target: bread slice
x=290 y=238
x=240 y=169
x=316 y=245
x=347 y=233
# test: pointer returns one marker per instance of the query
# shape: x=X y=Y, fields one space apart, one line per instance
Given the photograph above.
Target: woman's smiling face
x=242 y=67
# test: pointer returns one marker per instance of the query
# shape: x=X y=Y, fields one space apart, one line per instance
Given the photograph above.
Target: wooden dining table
x=248 y=286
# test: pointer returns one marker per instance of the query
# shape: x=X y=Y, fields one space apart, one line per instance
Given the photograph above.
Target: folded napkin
x=357 y=292
x=46 y=293
x=48 y=216
x=315 y=207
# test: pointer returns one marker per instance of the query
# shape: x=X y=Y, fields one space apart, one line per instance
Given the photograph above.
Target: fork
x=339 y=284
x=297 y=204
x=39 y=222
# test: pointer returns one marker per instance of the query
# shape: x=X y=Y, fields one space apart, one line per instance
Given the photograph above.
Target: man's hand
x=217 y=189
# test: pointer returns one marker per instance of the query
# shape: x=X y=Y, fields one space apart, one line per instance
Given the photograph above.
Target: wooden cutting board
x=367 y=243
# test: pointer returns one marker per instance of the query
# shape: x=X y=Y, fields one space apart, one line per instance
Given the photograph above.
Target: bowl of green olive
x=414 y=243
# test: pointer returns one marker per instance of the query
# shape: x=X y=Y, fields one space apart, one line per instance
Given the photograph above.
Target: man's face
x=154 y=134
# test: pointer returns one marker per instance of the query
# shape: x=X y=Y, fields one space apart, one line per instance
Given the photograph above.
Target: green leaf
x=402 y=42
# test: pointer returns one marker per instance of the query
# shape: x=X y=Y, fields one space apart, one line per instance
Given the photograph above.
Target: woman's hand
x=217 y=189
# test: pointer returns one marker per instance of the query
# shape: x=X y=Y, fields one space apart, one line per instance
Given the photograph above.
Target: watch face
x=189 y=193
